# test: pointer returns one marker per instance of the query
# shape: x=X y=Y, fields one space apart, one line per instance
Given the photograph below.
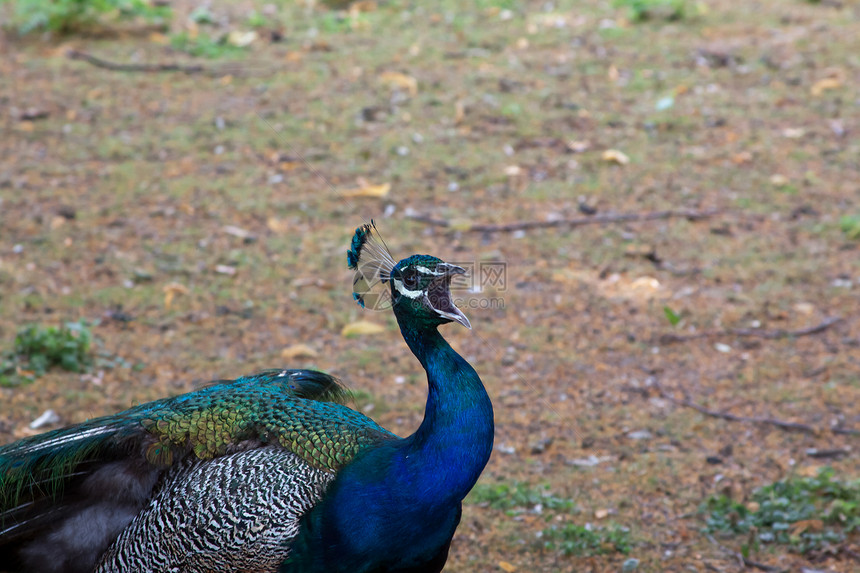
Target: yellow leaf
x=612 y=73
x=645 y=284
x=398 y=80
x=171 y=290
x=804 y=525
x=298 y=351
x=505 y=566
x=363 y=6
x=459 y=110
x=615 y=156
x=742 y=158
x=159 y=38
x=778 y=180
x=361 y=328
x=824 y=85
x=369 y=191
x=804 y=308
x=242 y=39
x=277 y=225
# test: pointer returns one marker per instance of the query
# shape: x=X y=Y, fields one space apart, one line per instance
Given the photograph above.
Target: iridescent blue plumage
x=265 y=473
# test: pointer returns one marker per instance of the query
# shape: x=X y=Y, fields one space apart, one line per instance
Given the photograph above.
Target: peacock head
x=418 y=288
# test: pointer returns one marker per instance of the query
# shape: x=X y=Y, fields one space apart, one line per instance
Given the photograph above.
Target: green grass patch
x=850 y=225
x=39 y=348
x=642 y=10
x=587 y=540
x=517 y=495
x=807 y=514
x=204 y=46
x=68 y=16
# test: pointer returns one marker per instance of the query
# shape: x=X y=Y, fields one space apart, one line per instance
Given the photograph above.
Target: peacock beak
x=439 y=294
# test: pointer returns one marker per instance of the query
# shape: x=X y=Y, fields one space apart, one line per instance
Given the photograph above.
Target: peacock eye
x=411 y=279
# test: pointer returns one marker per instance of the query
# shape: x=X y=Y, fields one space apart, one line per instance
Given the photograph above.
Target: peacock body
x=269 y=472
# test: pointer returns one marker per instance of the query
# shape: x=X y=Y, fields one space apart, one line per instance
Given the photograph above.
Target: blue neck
x=394 y=509
x=454 y=441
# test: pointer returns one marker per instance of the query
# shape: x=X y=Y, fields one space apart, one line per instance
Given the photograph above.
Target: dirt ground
x=201 y=220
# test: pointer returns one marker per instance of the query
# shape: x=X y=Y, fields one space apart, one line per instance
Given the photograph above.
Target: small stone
x=588 y=462
x=48 y=418
x=640 y=435
x=540 y=446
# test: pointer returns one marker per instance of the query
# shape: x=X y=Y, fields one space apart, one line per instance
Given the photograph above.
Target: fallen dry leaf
x=615 y=156
x=778 y=180
x=361 y=328
x=237 y=232
x=824 y=85
x=799 y=527
x=578 y=146
x=362 y=6
x=242 y=39
x=505 y=566
x=401 y=81
x=298 y=351
x=277 y=225
x=170 y=292
x=459 y=110
x=369 y=191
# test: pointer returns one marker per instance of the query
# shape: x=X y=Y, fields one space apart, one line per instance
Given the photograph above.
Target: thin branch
x=670 y=338
x=192 y=69
x=688 y=214
x=791 y=426
x=147 y=68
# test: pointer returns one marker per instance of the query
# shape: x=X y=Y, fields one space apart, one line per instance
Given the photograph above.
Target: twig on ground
x=237 y=69
x=148 y=68
x=689 y=214
x=670 y=338
x=791 y=426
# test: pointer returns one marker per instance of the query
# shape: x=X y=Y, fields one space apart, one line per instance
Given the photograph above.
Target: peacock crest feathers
x=369 y=257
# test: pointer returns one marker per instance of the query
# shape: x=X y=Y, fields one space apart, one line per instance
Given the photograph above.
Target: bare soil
x=202 y=220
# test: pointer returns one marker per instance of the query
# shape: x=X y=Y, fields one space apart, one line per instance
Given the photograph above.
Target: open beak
x=439 y=294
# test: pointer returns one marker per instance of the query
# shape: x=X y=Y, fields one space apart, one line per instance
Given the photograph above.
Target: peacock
x=268 y=472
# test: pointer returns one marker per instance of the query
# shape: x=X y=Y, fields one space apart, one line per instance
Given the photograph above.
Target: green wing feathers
x=298 y=409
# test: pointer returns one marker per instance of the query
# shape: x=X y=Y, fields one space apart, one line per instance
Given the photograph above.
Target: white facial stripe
x=413 y=294
x=426 y=271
